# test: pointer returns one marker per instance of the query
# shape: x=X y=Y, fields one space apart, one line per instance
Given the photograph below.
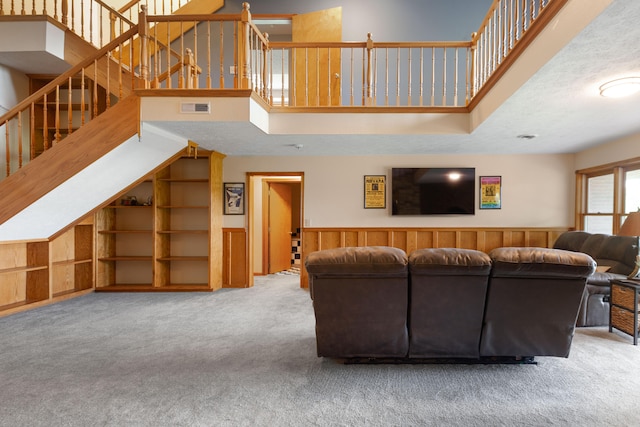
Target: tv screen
x=433 y=191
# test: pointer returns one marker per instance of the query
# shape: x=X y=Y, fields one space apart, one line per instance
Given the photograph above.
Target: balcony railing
x=229 y=52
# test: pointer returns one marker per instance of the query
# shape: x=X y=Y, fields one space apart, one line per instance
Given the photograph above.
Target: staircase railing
x=216 y=51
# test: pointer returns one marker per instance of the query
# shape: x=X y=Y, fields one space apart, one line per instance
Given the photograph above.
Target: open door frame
x=252 y=209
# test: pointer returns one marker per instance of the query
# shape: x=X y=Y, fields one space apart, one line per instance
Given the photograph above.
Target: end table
x=623 y=312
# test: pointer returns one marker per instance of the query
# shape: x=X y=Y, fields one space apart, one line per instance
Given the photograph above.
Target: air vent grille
x=195 y=107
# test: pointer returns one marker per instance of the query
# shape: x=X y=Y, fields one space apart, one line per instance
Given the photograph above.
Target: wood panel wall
x=410 y=239
x=235 y=254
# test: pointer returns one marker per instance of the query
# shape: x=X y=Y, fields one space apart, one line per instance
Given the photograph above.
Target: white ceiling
x=559 y=104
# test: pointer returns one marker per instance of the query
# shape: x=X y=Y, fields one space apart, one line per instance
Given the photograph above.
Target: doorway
x=275 y=216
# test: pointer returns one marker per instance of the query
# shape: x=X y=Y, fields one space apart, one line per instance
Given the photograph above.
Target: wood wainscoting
x=237 y=262
x=410 y=239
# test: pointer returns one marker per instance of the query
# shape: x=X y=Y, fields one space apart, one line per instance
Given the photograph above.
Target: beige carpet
x=246 y=357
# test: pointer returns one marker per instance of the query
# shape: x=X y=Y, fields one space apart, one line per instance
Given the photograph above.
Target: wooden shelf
x=23 y=269
x=183 y=232
x=127 y=258
x=184 y=258
x=125 y=231
x=72 y=262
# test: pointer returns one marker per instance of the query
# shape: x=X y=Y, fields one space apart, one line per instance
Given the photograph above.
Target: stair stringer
x=92 y=186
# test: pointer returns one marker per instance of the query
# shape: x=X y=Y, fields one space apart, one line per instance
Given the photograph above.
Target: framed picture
x=375 y=192
x=490 y=192
x=234 y=198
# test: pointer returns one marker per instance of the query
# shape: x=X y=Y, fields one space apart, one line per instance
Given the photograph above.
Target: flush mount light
x=527 y=136
x=620 y=87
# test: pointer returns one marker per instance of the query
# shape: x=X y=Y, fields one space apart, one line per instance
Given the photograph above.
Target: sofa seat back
x=360 y=301
x=617 y=252
x=533 y=300
x=446 y=302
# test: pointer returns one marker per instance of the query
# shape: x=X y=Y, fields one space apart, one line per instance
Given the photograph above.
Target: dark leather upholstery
x=533 y=300
x=446 y=303
x=617 y=252
x=360 y=301
x=374 y=302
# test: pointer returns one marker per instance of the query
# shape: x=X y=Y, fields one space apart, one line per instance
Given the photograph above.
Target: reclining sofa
x=615 y=256
x=445 y=304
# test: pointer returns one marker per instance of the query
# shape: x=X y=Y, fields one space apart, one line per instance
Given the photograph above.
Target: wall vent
x=195 y=107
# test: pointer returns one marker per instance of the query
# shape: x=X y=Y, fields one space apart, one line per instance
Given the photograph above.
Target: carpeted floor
x=246 y=357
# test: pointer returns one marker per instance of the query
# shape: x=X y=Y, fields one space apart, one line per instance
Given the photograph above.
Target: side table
x=623 y=313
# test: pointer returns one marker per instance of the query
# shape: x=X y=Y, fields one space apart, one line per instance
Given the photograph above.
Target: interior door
x=279 y=226
x=317 y=71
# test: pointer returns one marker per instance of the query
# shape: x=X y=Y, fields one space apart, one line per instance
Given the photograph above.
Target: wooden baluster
x=19 y=139
x=32 y=131
x=95 y=88
x=265 y=75
x=112 y=26
x=182 y=60
x=409 y=77
x=421 y=80
x=397 y=76
x=386 y=76
x=82 y=98
x=221 y=59
x=2 y=8
x=57 y=116
x=45 y=124
x=208 y=54
x=433 y=76
x=194 y=58
x=82 y=20
x=91 y=22
x=73 y=16
x=473 y=69
x=7 y=152
x=55 y=9
x=108 y=85
x=22 y=9
x=245 y=17
x=168 y=53
x=70 y=108
x=455 y=78
x=120 y=71
x=444 y=76
x=65 y=11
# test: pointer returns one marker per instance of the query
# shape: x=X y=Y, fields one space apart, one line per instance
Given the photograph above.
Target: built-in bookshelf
x=163 y=235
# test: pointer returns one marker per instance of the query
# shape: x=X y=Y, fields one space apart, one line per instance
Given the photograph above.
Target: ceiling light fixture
x=527 y=136
x=620 y=87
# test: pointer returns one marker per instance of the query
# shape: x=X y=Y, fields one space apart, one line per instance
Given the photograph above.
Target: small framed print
x=234 y=198
x=490 y=192
x=375 y=192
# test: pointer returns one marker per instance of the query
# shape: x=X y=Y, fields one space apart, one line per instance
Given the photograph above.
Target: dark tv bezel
x=469 y=205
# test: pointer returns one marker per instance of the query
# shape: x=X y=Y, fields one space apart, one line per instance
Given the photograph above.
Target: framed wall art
x=234 y=198
x=490 y=192
x=375 y=194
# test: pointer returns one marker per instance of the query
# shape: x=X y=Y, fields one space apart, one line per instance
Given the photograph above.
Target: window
x=606 y=195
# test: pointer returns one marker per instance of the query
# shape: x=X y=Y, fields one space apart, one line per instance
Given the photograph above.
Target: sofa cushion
x=540 y=262
x=449 y=261
x=358 y=261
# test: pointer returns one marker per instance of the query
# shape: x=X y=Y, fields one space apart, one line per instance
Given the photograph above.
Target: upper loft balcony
x=529 y=63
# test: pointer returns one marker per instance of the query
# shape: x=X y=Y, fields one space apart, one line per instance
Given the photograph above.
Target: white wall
x=537 y=190
x=620 y=149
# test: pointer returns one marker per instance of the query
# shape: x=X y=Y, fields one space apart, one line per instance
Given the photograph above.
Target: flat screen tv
x=433 y=191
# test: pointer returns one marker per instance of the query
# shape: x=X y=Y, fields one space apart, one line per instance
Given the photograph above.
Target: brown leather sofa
x=616 y=252
x=446 y=304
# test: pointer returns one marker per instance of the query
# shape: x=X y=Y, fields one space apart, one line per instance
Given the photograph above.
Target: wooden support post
x=369 y=72
x=245 y=47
